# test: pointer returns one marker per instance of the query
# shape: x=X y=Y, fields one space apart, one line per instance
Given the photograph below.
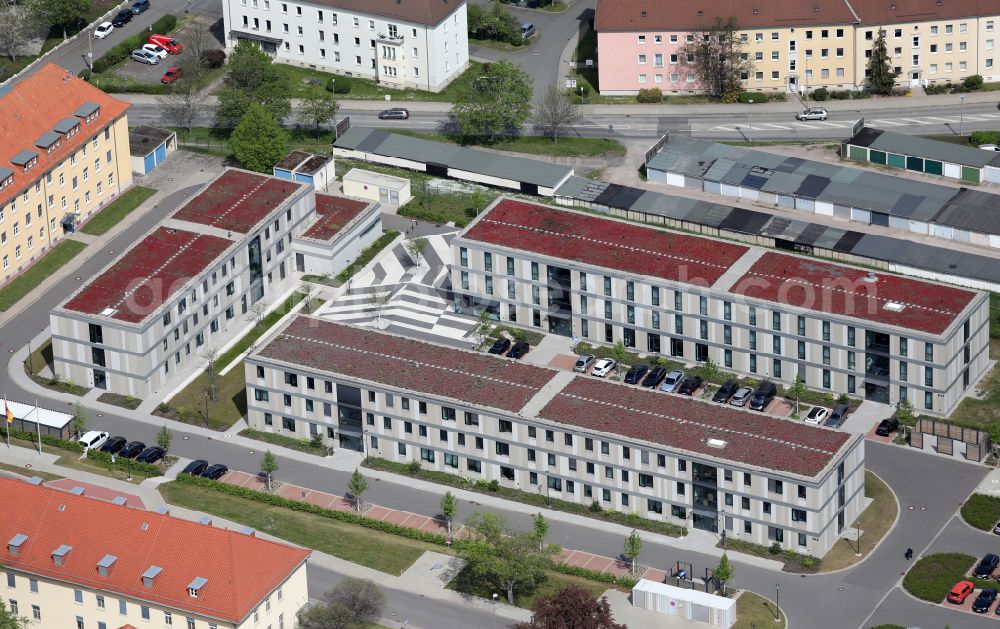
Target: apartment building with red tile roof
x=68 y=557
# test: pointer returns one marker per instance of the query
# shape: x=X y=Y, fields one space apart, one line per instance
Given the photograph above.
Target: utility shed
x=149 y=147
x=932 y=157
x=386 y=189
x=715 y=611
x=305 y=167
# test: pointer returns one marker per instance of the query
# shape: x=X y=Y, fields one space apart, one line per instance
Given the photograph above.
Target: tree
x=717 y=59
x=351 y=604
x=184 y=105
x=252 y=79
x=80 y=419
x=318 y=109
x=64 y=14
x=258 y=142
x=573 y=607
x=416 y=248
x=378 y=302
x=197 y=41
x=795 y=392
x=724 y=572
x=502 y=557
x=164 y=438
x=9 y=620
x=356 y=487
x=22 y=23
x=556 y=112
x=485 y=325
x=881 y=76
x=621 y=355
x=211 y=355
x=256 y=313
x=633 y=546
x=268 y=466
x=493 y=21
x=496 y=102
x=540 y=529
x=449 y=508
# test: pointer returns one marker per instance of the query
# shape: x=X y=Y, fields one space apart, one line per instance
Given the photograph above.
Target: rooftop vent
x=15 y=543
x=150 y=574
x=59 y=554
x=717 y=443
x=643 y=14
x=894 y=306
x=77 y=491
x=163 y=510
x=755 y=11
x=701 y=13
x=104 y=565
x=144 y=526
x=871 y=277
x=194 y=588
x=816 y=9
x=892 y=7
x=107 y=312
x=61 y=507
x=119 y=500
x=207 y=521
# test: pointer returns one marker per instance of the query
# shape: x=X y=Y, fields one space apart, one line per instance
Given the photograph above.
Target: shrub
x=840 y=94
x=595 y=507
x=494 y=485
x=981 y=511
x=757 y=97
x=775 y=549
x=85 y=74
x=775 y=96
x=821 y=94
x=412 y=467
x=985 y=137
x=165 y=24
x=339 y=85
x=651 y=95
x=973 y=83
x=213 y=59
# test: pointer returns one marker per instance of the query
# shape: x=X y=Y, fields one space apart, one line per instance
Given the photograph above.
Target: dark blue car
x=636 y=374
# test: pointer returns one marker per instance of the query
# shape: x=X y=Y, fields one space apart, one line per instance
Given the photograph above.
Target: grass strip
x=981 y=511
x=117 y=210
x=55 y=259
x=931 y=577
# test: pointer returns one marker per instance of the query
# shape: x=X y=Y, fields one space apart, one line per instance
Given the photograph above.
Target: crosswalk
x=847 y=124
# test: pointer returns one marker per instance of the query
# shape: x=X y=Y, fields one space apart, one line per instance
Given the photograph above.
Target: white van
x=91 y=440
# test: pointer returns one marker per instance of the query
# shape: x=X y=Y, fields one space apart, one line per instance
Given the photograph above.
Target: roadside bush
x=213 y=59
x=985 y=137
x=981 y=511
x=165 y=24
x=757 y=97
x=821 y=94
x=841 y=94
x=85 y=74
x=937 y=89
x=339 y=85
x=777 y=97
x=119 y=53
x=651 y=95
x=973 y=83
x=623 y=582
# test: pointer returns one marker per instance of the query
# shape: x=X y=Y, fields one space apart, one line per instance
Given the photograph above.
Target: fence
x=944 y=438
x=653 y=150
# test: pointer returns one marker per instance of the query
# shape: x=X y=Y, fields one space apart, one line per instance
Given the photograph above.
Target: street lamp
x=723 y=526
x=494 y=610
x=751 y=119
x=857 y=529
x=777 y=603
x=961 y=115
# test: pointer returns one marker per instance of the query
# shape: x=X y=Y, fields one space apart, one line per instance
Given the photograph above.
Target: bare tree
x=716 y=57
x=211 y=355
x=185 y=105
x=556 y=112
x=416 y=248
x=198 y=40
x=20 y=24
x=256 y=313
x=378 y=302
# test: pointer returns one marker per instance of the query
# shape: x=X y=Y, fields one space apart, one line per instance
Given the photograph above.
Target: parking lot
x=208 y=30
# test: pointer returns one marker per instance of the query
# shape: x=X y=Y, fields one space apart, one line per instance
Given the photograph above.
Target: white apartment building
x=665 y=457
x=750 y=310
x=73 y=561
x=420 y=44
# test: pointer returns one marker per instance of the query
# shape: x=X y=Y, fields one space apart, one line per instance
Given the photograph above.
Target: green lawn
x=533 y=144
x=982 y=411
x=932 y=576
x=374 y=549
x=497 y=45
x=248 y=339
x=753 y=610
x=364 y=258
x=117 y=210
x=586 y=47
x=212 y=141
x=306 y=81
x=51 y=262
x=23 y=471
x=875 y=523
x=552 y=583
x=981 y=511
x=302 y=445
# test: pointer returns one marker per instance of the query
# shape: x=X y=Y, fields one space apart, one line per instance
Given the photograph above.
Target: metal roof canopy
x=890 y=142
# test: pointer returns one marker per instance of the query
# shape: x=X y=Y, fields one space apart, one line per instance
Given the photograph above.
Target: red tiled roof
x=874 y=12
x=675 y=15
x=332 y=214
x=148 y=274
x=237 y=201
x=408 y=364
x=843 y=290
x=603 y=242
x=34 y=106
x=241 y=570
x=680 y=422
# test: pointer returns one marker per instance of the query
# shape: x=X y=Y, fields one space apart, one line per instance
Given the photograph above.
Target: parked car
x=813 y=113
x=816 y=415
x=196 y=467
x=520 y=349
x=672 y=381
x=837 y=415
x=140 y=6
x=93 y=439
x=996 y=529
x=584 y=362
x=986 y=566
x=655 y=376
x=103 y=30
x=636 y=373
x=603 y=367
x=690 y=384
x=887 y=427
x=763 y=395
x=989 y=147
x=959 y=593
x=726 y=391
x=144 y=56
x=121 y=18
x=528 y=30
x=741 y=397
x=166 y=42
x=161 y=53
x=172 y=74
x=396 y=113
x=152 y=454
x=984 y=601
x=114 y=444
x=501 y=345
x=132 y=449
x=215 y=472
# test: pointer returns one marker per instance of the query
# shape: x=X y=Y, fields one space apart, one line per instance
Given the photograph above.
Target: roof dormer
x=15 y=543
x=59 y=554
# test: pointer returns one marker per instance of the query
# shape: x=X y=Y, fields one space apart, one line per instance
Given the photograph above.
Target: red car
x=959 y=593
x=166 y=42
x=172 y=74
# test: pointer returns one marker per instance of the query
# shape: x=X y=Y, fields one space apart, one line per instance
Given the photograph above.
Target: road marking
x=768 y=126
x=914 y=121
x=723 y=128
x=835 y=124
x=948 y=120
x=887 y=123
x=975 y=118
x=991 y=115
x=804 y=125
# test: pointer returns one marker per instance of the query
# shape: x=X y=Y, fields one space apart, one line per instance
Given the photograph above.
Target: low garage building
x=386 y=189
x=150 y=146
x=307 y=168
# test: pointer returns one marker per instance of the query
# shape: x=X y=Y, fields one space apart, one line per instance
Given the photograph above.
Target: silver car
x=584 y=362
x=144 y=56
x=741 y=397
x=673 y=380
x=813 y=113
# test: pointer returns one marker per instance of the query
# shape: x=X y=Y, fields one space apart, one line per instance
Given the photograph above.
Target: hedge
x=985 y=137
x=981 y=511
x=651 y=95
x=295 y=505
x=124 y=49
x=143 y=469
x=339 y=85
x=821 y=94
x=758 y=97
x=623 y=582
x=165 y=24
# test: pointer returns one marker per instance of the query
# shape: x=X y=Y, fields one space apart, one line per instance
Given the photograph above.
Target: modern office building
x=196 y=281
x=795 y=48
x=753 y=311
x=577 y=438
x=73 y=561
x=420 y=44
x=61 y=161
